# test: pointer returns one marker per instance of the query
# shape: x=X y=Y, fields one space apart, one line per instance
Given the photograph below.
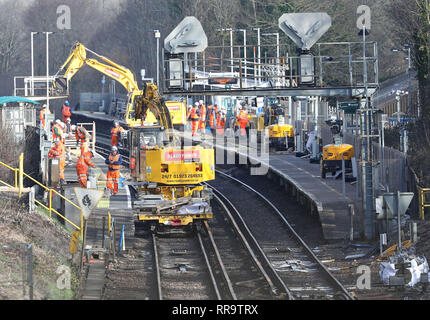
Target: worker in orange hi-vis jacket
x=82 y=137
x=202 y=116
x=58 y=130
x=194 y=116
x=220 y=122
x=42 y=116
x=58 y=152
x=242 y=118
x=211 y=117
x=116 y=134
x=84 y=161
x=66 y=110
x=113 y=160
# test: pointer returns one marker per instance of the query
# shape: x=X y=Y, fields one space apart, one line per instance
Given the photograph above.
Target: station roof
x=9 y=99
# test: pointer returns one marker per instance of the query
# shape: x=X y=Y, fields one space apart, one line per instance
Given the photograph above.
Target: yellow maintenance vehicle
x=165 y=175
x=332 y=159
x=332 y=155
x=281 y=135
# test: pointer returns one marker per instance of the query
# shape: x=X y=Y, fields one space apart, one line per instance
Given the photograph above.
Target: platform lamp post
x=157 y=35
x=32 y=61
x=47 y=67
x=366 y=151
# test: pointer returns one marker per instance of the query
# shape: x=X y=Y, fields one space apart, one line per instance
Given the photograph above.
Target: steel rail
x=221 y=264
x=157 y=267
x=256 y=245
x=330 y=276
x=214 y=283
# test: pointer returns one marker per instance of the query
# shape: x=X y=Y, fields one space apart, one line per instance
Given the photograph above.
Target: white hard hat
x=196 y=104
x=73 y=127
x=56 y=140
x=201 y=101
x=68 y=120
x=114 y=148
x=58 y=121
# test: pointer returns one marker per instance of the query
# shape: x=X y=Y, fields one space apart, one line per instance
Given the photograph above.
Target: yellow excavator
x=165 y=175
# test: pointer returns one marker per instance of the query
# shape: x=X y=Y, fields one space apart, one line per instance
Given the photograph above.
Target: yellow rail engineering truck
x=331 y=161
x=165 y=175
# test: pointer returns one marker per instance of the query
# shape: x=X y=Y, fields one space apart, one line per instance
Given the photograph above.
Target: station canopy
x=11 y=99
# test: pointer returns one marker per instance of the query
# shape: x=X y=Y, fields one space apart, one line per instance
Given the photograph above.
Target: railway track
x=216 y=262
x=280 y=267
x=182 y=269
x=296 y=264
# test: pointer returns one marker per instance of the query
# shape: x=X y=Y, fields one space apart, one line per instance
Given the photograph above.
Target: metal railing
x=331 y=64
x=19 y=175
x=28 y=86
x=70 y=143
x=423 y=202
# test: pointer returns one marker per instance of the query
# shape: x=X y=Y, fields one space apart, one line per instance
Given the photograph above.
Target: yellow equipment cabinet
x=332 y=158
x=281 y=136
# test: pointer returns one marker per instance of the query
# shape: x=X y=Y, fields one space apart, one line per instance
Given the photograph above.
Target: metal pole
x=343 y=177
x=32 y=63
x=47 y=68
x=367 y=183
x=245 y=57
x=83 y=246
x=259 y=54
x=277 y=58
x=231 y=51
x=157 y=36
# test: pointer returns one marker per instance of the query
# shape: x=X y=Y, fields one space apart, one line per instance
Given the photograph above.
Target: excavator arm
x=139 y=101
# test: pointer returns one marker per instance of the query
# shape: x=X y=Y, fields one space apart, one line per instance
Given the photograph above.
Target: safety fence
x=16 y=271
x=20 y=175
x=391 y=171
